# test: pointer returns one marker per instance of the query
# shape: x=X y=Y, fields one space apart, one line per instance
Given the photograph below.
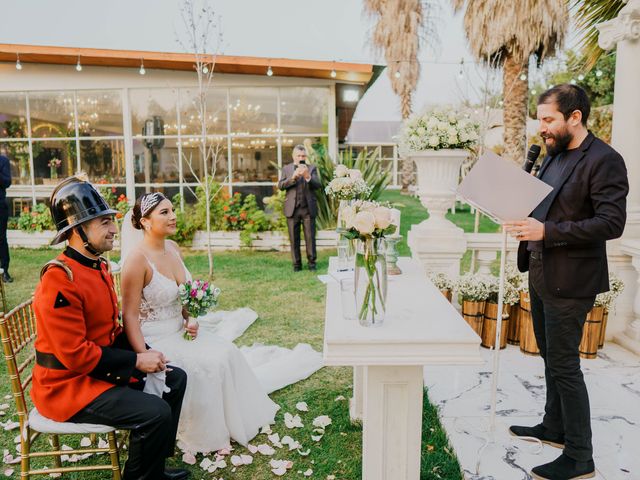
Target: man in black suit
x=562 y=245
x=5 y=182
x=300 y=180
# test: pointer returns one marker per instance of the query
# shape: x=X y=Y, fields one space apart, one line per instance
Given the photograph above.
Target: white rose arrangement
x=511 y=293
x=606 y=299
x=366 y=219
x=347 y=184
x=437 y=129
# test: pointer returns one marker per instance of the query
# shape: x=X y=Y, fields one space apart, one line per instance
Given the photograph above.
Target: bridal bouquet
x=347 y=184
x=197 y=298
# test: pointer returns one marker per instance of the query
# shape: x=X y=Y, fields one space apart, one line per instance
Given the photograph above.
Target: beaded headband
x=149 y=201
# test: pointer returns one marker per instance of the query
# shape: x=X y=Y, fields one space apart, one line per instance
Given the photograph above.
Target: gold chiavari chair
x=18 y=332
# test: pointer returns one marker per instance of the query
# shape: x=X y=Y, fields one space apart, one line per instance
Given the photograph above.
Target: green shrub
x=36 y=220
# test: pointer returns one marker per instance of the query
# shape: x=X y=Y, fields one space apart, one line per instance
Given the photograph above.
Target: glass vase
x=371 y=282
x=348 y=245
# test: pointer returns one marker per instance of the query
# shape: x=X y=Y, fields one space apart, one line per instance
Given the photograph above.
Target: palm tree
x=397 y=35
x=505 y=34
x=588 y=14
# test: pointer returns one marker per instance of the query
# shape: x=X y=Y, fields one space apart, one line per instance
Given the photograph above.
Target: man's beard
x=560 y=144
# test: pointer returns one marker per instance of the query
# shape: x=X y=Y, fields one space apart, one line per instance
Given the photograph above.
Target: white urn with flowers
x=438 y=141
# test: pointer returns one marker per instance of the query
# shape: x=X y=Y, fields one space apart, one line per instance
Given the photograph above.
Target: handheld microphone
x=532 y=156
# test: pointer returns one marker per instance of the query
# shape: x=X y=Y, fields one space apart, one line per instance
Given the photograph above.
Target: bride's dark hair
x=145 y=204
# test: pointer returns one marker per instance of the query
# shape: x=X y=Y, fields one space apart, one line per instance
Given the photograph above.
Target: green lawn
x=291 y=310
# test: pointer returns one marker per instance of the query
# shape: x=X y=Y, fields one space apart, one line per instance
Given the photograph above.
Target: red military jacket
x=77 y=322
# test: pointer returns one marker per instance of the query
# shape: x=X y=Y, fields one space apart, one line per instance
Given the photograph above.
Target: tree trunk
x=407 y=171
x=515 y=96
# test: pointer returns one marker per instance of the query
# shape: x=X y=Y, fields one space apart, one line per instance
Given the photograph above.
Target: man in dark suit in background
x=5 y=182
x=562 y=245
x=300 y=207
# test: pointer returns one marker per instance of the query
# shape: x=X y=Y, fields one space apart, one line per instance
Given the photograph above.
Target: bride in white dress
x=226 y=396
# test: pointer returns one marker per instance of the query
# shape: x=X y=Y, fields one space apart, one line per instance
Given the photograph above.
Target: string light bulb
x=397 y=74
x=333 y=74
x=580 y=77
x=598 y=73
x=79 y=65
x=205 y=69
x=269 y=71
x=18 y=64
x=523 y=77
x=142 y=70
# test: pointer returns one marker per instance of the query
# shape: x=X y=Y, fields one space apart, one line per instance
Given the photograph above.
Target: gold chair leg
x=25 y=449
x=55 y=443
x=94 y=439
x=113 y=453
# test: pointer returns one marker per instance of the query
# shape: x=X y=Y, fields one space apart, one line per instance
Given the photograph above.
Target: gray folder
x=501 y=189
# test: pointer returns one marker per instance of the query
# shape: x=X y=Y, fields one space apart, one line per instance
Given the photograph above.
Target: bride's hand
x=192 y=329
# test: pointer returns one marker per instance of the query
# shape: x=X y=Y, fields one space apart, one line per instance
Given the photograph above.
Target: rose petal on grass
x=292 y=421
x=85 y=442
x=8 y=472
x=189 y=458
x=279 y=471
x=265 y=449
x=205 y=463
x=247 y=459
x=301 y=406
x=308 y=473
x=252 y=448
x=236 y=461
x=275 y=440
x=339 y=398
x=322 y=421
x=304 y=453
x=266 y=429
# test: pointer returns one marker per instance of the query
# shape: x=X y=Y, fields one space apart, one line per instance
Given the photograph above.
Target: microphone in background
x=532 y=156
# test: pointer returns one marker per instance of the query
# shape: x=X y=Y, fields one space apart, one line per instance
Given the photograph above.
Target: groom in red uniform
x=85 y=369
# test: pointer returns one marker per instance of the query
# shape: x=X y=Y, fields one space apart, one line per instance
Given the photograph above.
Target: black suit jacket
x=588 y=208
x=288 y=184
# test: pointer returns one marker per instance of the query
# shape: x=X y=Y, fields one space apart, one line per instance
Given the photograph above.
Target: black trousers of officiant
x=152 y=421
x=557 y=324
x=302 y=217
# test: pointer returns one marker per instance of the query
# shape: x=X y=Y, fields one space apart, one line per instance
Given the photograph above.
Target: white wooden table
x=421 y=328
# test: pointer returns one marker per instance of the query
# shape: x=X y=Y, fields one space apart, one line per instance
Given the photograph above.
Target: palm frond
x=588 y=14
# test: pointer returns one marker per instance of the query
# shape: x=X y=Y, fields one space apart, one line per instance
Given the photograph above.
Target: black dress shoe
x=297 y=269
x=6 y=278
x=312 y=268
x=176 y=474
x=539 y=432
x=564 y=468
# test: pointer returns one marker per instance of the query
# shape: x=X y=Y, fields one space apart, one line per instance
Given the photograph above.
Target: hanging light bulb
x=333 y=74
x=523 y=77
x=580 y=77
x=534 y=91
x=269 y=71
x=78 y=65
x=142 y=70
x=397 y=74
x=573 y=81
x=598 y=73
x=18 y=64
x=501 y=103
x=205 y=69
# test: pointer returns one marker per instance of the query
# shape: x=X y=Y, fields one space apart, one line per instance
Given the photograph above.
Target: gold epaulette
x=57 y=263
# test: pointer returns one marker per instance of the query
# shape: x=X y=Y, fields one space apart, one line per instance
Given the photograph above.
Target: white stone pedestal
x=421 y=328
x=438 y=250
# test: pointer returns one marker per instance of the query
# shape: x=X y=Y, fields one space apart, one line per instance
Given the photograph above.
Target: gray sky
x=307 y=29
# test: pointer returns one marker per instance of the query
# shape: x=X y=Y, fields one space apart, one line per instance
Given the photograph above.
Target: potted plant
x=438 y=141
x=489 y=324
x=443 y=283
x=473 y=290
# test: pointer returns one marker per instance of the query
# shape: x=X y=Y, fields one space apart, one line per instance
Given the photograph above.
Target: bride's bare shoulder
x=136 y=262
x=176 y=248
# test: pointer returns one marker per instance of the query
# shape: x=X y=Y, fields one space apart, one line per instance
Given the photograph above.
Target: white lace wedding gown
x=226 y=396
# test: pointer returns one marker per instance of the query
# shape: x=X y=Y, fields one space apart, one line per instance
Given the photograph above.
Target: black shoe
x=296 y=268
x=539 y=432
x=564 y=468
x=6 y=278
x=176 y=474
x=312 y=268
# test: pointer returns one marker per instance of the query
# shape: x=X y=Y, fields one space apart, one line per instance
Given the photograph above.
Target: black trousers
x=152 y=421
x=301 y=217
x=4 y=245
x=557 y=324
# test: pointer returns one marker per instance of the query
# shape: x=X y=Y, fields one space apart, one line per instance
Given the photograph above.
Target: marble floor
x=463 y=396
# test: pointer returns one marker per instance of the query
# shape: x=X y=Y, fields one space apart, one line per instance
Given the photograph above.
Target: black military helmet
x=75 y=201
